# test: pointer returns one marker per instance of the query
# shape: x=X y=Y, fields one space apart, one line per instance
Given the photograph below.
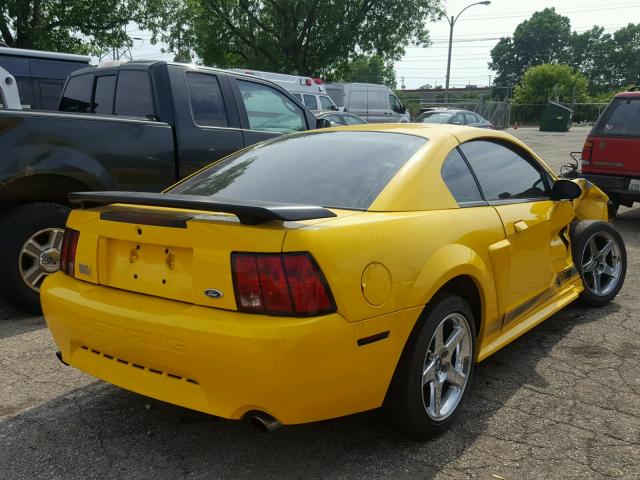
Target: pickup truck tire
x=30 y=241
x=600 y=255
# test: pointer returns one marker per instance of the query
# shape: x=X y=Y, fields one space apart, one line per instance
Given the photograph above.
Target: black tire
x=17 y=226
x=600 y=292
x=406 y=400
x=612 y=209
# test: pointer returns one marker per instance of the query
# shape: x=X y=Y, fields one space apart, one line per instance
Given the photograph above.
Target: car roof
x=628 y=94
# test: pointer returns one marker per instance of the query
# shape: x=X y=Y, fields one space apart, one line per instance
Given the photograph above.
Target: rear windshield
x=622 y=117
x=434 y=117
x=329 y=169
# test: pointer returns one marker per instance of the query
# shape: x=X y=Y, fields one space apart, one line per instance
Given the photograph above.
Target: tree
x=544 y=38
x=624 y=67
x=79 y=26
x=550 y=82
x=366 y=69
x=293 y=36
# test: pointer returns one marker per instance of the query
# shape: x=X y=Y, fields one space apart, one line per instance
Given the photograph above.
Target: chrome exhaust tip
x=264 y=422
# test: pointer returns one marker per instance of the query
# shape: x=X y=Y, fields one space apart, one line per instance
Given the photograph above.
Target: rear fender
x=453 y=261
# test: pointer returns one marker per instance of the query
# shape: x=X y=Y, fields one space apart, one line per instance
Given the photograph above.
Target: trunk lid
x=175 y=254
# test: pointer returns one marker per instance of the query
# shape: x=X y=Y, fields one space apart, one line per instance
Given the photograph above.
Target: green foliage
x=372 y=69
x=77 y=26
x=303 y=37
x=607 y=61
x=550 y=82
x=411 y=102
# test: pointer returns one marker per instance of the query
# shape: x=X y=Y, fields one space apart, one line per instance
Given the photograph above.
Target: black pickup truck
x=137 y=126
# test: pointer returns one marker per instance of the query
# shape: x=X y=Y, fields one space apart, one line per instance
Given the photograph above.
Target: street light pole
x=452 y=21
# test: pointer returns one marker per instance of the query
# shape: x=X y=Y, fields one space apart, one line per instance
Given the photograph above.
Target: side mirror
x=323 y=123
x=564 y=189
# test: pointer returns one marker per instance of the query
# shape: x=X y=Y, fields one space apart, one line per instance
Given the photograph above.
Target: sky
x=475 y=33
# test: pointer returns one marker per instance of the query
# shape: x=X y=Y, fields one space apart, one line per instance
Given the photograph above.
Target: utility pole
x=452 y=21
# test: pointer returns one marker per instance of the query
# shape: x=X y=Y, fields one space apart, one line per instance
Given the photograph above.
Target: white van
x=374 y=103
x=311 y=94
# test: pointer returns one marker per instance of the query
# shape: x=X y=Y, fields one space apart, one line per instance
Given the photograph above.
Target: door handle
x=520 y=226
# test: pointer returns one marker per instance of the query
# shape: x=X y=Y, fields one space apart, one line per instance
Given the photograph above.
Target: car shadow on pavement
x=101 y=431
x=18 y=326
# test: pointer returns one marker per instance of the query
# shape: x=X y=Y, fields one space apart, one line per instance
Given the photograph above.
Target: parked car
x=611 y=153
x=374 y=103
x=454 y=117
x=40 y=75
x=311 y=94
x=338 y=119
x=322 y=273
x=135 y=126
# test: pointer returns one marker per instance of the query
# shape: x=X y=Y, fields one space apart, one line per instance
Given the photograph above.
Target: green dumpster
x=556 y=118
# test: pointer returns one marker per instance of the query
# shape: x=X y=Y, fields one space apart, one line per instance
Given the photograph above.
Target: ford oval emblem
x=213 y=293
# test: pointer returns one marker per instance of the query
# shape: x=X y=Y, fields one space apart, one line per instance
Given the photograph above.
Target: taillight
x=586 y=153
x=68 y=252
x=280 y=284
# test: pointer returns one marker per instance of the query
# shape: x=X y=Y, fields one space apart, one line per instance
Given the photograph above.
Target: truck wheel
x=600 y=255
x=30 y=242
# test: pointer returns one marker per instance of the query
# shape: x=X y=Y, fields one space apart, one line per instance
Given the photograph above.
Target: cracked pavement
x=561 y=402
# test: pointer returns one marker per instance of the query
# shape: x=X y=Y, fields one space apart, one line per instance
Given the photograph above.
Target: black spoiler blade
x=248 y=214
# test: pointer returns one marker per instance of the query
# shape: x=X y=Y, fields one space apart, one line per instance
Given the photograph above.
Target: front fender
x=592 y=204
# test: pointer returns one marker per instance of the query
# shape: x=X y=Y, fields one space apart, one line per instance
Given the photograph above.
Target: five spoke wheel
x=446 y=367
x=601 y=263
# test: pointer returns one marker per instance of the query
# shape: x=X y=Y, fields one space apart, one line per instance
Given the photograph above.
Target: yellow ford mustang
x=327 y=273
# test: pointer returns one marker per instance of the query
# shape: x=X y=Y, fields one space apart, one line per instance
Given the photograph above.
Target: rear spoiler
x=248 y=214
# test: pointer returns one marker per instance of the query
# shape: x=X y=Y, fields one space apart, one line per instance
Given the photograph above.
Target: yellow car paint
x=135 y=314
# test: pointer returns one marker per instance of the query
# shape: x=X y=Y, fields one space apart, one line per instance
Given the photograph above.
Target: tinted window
x=358 y=100
x=396 y=106
x=270 y=110
x=326 y=103
x=310 y=102
x=335 y=119
x=206 y=100
x=459 y=180
x=470 y=118
x=133 y=95
x=434 y=117
x=352 y=120
x=331 y=169
x=503 y=173
x=103 y=96
x=458 y=119
x=50 y=95
x=77 y=94
x=622 y=117
x=378 y=100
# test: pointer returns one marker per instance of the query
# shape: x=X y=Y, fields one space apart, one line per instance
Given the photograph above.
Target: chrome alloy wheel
x=40 y=256
x=446 y=367
x=601 y=263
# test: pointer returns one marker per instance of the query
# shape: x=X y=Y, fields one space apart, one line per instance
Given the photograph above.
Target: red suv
x=611 y=153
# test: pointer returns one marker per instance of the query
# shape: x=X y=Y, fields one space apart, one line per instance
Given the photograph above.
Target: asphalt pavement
x=561 y=402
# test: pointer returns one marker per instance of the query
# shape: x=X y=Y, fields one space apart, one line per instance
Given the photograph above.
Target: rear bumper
x=614 y=185
x=222 y=362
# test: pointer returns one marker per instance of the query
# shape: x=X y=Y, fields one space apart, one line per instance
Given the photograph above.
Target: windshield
x=329 y=169
x=434 y=117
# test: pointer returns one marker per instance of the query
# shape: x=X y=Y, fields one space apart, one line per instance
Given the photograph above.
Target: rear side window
x=103 y=96
x=503 y=172
x=206 y=100
x=330 y=169
x=77 y=94
x=470 y=118
x=459 y=180
x=133 y=95
x=310 y=102
x=622 y=117
x=326 y=103
x=50 y=95
x=270 y=110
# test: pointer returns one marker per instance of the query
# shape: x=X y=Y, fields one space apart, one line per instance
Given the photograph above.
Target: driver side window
x=269 y=110
x=505 y=173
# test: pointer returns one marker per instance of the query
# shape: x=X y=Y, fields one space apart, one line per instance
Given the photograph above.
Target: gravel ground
x=562 y=402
